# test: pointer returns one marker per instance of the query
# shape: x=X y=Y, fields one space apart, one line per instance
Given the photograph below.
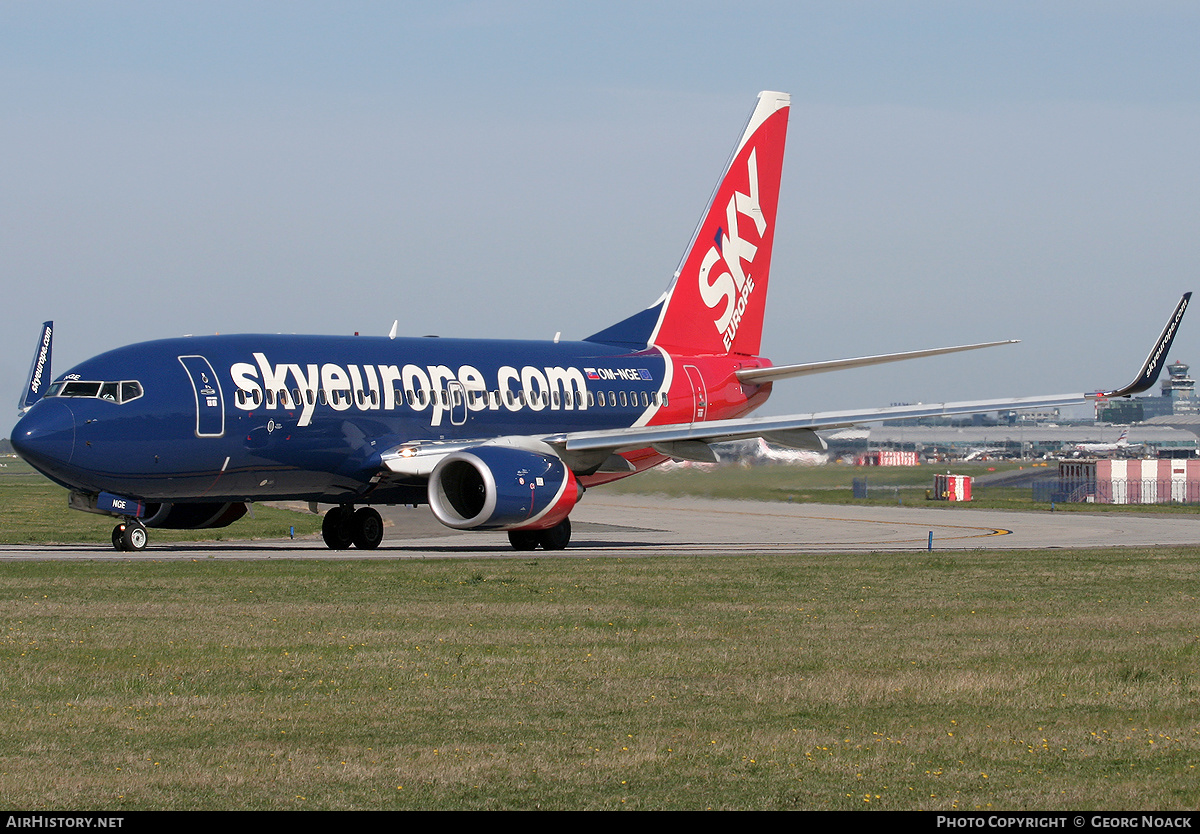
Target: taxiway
x=639 y=526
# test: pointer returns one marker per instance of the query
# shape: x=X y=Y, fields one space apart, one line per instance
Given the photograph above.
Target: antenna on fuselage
x=392 y=333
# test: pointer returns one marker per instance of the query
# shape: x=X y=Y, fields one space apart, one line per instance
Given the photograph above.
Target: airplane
x=1120 y=445
x=985 y=453
x=492 y=435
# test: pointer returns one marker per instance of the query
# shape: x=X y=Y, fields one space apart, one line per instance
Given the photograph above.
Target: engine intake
x=501 y=488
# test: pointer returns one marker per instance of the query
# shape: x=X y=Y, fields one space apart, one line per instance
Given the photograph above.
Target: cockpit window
x=80 y=389
x=116 y=392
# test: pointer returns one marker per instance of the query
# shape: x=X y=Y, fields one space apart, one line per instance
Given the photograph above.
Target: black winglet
x=1150 y=370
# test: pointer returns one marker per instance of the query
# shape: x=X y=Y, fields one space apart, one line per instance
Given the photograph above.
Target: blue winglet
x=39 y=371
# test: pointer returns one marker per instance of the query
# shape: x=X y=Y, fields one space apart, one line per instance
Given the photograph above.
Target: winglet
x=1153 y=365
x=39 y=370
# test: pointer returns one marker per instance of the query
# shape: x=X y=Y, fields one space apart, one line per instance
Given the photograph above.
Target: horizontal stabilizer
x=757 y=376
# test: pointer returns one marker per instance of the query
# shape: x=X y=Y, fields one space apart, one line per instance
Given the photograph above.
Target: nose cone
x=45 y=436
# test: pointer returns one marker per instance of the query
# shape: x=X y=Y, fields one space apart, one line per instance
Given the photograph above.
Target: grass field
x=1042 y=680
x=1017 y=680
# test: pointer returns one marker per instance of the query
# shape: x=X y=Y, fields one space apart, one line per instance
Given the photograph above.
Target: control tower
x=1180 y=389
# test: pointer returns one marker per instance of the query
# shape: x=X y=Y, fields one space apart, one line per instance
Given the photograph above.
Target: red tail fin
x=718 y=297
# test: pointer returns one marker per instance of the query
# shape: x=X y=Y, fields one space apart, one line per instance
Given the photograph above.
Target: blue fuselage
x=273 y=417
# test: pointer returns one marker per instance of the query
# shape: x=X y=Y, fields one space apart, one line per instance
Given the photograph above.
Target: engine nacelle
x=193 y=516
x=502 y=488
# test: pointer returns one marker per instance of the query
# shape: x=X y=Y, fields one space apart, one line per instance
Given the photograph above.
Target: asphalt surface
x=634 y=526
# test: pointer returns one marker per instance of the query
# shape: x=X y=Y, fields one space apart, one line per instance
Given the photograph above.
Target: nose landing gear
x=129 y=535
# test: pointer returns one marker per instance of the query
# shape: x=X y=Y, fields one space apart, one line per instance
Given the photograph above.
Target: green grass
x=977 y=680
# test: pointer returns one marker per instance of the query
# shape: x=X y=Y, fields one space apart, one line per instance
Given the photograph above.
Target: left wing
x=689 y=441
x=585 y=452
x=794 y=430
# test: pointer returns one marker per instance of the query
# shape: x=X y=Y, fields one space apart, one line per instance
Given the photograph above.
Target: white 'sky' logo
x=730 y=288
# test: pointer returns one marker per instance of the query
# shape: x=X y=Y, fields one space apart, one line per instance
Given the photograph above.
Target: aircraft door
x=699 y=393
x=458 y=403
x=210 y=404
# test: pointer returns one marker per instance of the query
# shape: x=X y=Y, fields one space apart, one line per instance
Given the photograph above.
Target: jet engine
x=193 y=516
x=502 y=488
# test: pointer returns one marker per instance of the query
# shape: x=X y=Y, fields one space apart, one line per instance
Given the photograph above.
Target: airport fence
x=1117 y=491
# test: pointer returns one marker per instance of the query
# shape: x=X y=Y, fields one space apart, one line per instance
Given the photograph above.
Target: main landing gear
x=553 y=538
x=344 y=526
x=129 y=535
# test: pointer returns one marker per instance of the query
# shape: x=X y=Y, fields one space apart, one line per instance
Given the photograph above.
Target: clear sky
x=956 y=172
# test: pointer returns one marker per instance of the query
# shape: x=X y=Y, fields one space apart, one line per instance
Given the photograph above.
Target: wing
x=586 y=452
x=689 y=441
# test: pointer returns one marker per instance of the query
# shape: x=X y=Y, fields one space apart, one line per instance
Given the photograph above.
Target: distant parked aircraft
x=1094 y=449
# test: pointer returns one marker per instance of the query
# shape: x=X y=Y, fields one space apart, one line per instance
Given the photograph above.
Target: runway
x=629 y=526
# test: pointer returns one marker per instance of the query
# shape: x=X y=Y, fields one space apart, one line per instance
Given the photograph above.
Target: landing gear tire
x=368 y=529
x=557 y=537
x=523 y=539
x=554 y=538
x=336 y=530
x=129 y=536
